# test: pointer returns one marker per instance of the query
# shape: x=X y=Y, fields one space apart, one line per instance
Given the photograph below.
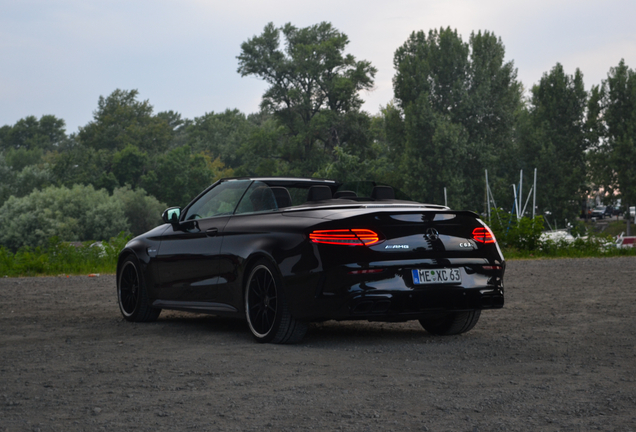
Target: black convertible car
x=282 y=252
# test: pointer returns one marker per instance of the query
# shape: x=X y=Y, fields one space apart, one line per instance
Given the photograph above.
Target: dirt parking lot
x=559 y=357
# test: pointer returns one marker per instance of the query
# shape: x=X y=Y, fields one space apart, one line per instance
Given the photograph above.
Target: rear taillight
x=483 y=235
x=345 y=237
x=366 y=271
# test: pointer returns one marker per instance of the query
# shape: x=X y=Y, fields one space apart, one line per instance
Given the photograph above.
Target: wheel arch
x=136 y=247
x=138 y=251
x=125 y=253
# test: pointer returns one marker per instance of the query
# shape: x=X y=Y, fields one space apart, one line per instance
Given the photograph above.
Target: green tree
x=221 y=134
x=129 y=165
x=31 y=133
x=459 y=102
x=554 y=140
x=613 y=106
x=20 y=158
x=121 y=120
x=178 y=126
x=436 y=153
x=121 y=145
x=179 y=175
x=314 y=93
x=387 y=131
x=25 y=148
x=262 y=153
x=7 y=179
x=76 y=163
x=26 y=142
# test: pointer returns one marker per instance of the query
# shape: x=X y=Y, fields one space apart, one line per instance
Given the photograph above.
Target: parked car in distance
x=600 y=212
x=609 y=211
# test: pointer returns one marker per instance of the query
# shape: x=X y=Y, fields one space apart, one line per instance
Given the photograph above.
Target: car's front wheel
x=268 y=317
x=132 y=294
x=451 y=324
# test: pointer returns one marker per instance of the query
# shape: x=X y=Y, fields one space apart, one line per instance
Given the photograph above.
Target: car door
x=243 y=235
x=187 y=261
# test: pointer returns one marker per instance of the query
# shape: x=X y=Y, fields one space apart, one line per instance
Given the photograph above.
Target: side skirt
x=197 y=307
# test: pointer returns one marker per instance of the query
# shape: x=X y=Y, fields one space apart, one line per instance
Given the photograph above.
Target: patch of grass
x=63 y=258
x=592 y=247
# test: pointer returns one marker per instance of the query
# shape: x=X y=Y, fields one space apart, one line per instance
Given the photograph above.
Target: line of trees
x=458 y=109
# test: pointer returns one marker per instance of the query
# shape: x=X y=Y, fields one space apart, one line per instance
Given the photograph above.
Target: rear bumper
x=393 y=296
x=398 y=306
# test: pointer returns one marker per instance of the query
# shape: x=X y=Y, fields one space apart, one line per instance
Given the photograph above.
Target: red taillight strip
x=346 y=237
x=483 y=235
x=366 y=271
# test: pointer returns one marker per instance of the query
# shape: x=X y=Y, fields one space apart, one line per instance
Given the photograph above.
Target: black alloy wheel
x=262 y=301
x=266 y=308
x=132 y=295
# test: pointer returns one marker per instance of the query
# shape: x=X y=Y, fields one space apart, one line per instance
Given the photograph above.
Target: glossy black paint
x=201 y=265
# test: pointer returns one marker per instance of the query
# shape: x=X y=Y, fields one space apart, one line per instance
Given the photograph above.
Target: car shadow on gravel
x=210 y=327
x=363 y=332
x=202 y=325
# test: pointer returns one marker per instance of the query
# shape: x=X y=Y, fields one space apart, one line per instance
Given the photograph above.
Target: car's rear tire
x=451 y=324
x=266 y=308
x=132 y=294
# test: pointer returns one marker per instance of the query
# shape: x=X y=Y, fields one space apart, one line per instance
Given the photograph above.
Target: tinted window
x=258 y=198
x=218 y=201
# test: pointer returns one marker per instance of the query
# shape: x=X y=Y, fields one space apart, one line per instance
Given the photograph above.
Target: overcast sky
x=59 y=56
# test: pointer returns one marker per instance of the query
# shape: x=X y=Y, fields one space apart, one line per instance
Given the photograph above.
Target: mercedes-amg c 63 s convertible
x=283 y=252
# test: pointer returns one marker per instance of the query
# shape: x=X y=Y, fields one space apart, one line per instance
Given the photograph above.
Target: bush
x=142 y=211
x=522 y=238
x=521 y=234
x=78 y=214
x=592 y=246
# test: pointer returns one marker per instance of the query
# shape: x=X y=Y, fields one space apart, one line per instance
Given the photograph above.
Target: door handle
x=211 y=232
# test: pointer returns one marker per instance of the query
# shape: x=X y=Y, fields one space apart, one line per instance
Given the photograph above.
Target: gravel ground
x=560 y=356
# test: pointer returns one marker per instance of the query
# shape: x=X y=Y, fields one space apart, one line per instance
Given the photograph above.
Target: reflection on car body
x=282 y=252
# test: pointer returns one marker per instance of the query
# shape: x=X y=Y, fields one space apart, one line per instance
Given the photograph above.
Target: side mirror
x=171 y=215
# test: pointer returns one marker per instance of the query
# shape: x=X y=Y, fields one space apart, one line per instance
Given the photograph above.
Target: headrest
x=283 y=198
x=319 y=193
x=383 y=193
x=262 y=198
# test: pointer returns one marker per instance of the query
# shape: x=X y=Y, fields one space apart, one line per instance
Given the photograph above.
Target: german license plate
x=437 y=276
